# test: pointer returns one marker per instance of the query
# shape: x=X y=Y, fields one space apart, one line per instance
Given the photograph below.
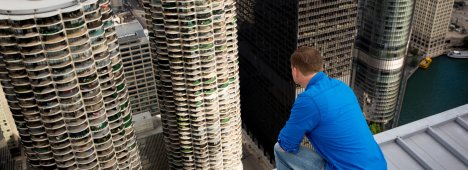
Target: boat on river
x=458 y=54
x=425 y=63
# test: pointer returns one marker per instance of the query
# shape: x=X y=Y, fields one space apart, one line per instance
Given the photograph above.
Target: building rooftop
x=33 y=6
x=130 y=31
x=436 y=142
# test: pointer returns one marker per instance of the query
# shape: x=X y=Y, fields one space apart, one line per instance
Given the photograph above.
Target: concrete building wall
x=7 y=123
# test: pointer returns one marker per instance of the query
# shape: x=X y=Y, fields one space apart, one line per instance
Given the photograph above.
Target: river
x=443 y=86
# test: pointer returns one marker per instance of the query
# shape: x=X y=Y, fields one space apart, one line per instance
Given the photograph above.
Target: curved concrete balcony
x=67 y=164
x=92 y=16
x=50 y=29
x=203 y=8
x=75 y=23
x=47 y=101
x=63 y=157
x=22 y=89
x=50 y=20
x=10 y=44
x=72 y=15
x=77 y=44
x=80 y=142
x=104 y=146
x=76 y=32
x=31 y=48
x=67 y=86
x=82 y=154
x=22 y=24
x=76 y=121
x=28 y=42
x=111 y=164
x=102 y=140
x=105 y=155
x=88 y=163
x=63 y=151
x=53 y=39
x=23 y=33
x=40 y=136
x=60 y=145
x=78 y=132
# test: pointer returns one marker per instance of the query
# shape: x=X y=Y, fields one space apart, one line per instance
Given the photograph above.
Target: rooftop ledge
x=30 y=7
x=436 y=142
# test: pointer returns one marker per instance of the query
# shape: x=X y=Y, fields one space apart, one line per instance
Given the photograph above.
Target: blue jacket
x=328 y=114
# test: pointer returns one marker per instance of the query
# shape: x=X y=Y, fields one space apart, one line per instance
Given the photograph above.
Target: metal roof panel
x=436 y=142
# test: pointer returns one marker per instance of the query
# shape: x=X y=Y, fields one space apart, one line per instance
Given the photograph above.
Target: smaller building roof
x=436 y=142
x=130 y=31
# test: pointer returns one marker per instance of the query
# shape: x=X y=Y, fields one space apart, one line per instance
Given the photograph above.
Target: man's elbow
x=287 y=147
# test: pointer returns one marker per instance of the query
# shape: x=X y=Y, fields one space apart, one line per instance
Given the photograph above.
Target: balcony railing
x=79 y=134
x=51 y=29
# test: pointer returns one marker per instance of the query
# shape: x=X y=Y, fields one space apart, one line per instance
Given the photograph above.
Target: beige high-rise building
x=430 y=24
x=138 y=67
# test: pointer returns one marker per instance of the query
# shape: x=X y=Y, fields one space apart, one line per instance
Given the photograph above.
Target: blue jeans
x=305 y=158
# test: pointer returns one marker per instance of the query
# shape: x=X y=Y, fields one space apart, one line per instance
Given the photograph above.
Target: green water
x=443 y=86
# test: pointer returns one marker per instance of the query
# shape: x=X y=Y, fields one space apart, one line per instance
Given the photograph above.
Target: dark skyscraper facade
x=269 y=32
x=381 y=43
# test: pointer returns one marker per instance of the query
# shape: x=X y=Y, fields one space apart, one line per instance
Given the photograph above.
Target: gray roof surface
x=33 y=6
x=130 y=31
x=436 y=142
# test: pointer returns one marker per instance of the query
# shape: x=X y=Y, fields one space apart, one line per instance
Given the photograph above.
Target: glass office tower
x=381 y=45
x=269 y=33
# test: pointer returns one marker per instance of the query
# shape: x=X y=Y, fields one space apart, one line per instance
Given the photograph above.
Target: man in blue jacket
x=328 y=114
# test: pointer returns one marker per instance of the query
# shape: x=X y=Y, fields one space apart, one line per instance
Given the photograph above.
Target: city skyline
x=62 y=75
x=198 y=73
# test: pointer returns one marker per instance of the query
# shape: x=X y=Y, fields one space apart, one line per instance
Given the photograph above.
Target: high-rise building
x=62 y=75
x=270 y=31
x=139 y=73
x=430 y=24
x=381 y=45
x=194 y=49
x=7 y=125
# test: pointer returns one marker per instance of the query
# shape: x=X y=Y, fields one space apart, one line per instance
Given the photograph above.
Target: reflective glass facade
x=269 y=32
x=381 y=44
